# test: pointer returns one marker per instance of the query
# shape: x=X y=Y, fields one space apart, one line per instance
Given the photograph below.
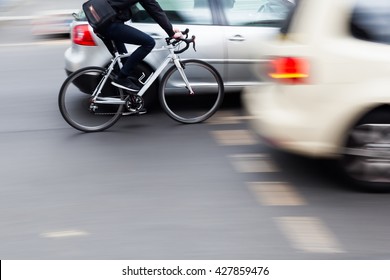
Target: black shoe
x=126 y=83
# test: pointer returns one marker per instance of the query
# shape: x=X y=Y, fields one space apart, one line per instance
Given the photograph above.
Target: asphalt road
x=150 y=188
x=25 y=8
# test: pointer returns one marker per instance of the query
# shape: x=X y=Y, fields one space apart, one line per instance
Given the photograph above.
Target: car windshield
x=178 y=12
x=237 y=12
x=371 y=21
x=257 y=13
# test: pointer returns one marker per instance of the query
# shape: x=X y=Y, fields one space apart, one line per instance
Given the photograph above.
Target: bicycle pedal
x=134 y=113
x=142 y=112
x=129 y=113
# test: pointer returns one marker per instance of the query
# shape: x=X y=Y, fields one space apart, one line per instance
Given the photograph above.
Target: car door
x=197 y=16
x=247 y=23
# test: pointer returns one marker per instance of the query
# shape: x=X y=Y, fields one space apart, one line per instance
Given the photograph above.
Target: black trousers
x=123 y=34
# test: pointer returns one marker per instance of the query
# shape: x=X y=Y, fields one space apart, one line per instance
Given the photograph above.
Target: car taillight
x=82 y=35
x=290 y=70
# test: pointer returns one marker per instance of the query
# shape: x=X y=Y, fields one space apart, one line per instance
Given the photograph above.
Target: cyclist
x=121 y=33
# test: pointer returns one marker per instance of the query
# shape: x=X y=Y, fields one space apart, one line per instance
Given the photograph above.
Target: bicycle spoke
x=77 y=106
x=183 y=105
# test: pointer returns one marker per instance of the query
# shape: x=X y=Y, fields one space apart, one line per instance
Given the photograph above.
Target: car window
x=194 y=12
x=257 y=12
x=370 y=21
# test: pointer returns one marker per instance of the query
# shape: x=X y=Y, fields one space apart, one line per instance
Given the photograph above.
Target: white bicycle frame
x=145 y=85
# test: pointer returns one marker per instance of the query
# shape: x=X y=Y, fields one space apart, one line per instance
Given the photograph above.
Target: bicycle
x=190 y=91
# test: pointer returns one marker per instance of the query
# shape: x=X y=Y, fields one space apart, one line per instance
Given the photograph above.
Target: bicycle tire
x=74 y=101
x=179 y=104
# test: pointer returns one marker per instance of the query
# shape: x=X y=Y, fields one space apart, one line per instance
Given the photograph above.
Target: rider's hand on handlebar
x=178 y=35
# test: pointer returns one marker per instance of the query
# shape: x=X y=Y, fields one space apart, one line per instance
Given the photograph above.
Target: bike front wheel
x=76 y=104
x=184 y=105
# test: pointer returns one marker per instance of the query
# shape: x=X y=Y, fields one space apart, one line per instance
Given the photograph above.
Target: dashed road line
x=17 y=18
x=253 y=163
x=39 y=43
x=234 y=137
x=224 y=117
x=227 y=117
x=64 y=234
x=309 y=234
x=276 y=194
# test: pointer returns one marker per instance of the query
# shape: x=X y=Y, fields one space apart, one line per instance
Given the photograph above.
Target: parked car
x=52 y=22
x=5 y=5
x=228 y=33
x=328 y=94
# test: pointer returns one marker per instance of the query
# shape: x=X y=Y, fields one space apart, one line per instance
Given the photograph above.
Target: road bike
x=190 y=91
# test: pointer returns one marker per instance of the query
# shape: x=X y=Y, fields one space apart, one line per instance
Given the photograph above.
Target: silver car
x=228 y=33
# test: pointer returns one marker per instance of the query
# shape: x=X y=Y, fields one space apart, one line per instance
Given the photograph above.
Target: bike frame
x=145 y=85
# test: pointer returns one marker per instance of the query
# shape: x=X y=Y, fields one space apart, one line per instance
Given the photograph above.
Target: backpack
x=99 y=13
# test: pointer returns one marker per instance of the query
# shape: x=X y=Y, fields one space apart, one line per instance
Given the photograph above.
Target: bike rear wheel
x=76 y=105
x=207 y=97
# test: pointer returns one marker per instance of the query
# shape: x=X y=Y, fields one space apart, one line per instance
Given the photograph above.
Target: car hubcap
x=367 y=155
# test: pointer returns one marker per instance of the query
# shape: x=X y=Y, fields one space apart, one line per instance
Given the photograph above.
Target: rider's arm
x=158 y=14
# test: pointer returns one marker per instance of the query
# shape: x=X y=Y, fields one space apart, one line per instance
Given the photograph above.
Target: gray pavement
x=17 y=9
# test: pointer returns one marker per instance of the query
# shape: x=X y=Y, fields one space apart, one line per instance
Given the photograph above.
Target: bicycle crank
x=134 y=104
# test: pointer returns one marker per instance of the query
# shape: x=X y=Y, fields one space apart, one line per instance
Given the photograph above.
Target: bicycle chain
x=99 y=114
x=123 y=111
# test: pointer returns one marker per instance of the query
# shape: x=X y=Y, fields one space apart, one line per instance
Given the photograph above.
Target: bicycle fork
x=180 y=67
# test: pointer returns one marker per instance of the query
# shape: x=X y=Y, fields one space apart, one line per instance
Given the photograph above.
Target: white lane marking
x=309 y=234
x=234 y=137
x=227 y=117
x=276 y=194
x=253 y=163
x=223 y=117
x=16 y=18
x=64 y=234
x=39 y=43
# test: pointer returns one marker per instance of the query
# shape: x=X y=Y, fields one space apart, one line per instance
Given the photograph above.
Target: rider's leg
x=121 y=34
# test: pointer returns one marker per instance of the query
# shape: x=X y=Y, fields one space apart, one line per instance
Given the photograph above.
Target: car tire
x=365 y=160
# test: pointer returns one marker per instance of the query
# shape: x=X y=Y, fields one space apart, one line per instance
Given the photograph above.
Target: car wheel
x=366 y=156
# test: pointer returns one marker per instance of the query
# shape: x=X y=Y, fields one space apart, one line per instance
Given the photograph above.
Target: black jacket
x=123 y=8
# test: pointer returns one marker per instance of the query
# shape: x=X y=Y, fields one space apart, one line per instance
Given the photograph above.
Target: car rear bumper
x=293 y=125
x=77 y=57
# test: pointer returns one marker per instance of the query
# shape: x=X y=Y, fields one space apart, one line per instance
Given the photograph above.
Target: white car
x=328 y=94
